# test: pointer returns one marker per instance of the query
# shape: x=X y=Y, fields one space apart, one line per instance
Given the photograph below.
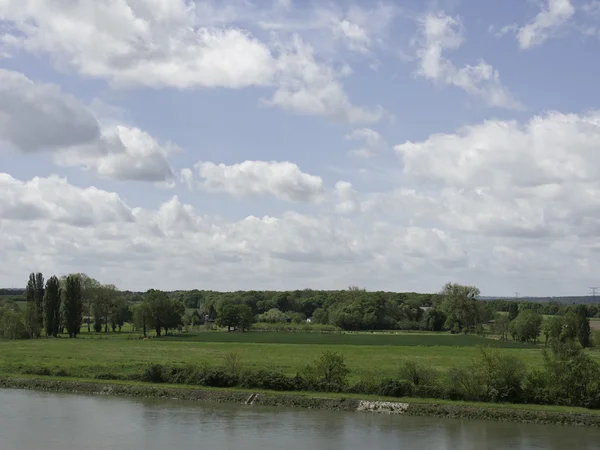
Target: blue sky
x=295 y=144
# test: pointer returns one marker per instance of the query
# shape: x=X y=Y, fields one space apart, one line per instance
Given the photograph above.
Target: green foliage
x=418 y=374
x=160 y=312
x=273 y=315
x=235 y=316
x=233 y=364
x=501 y=375
x=526 y=326
x=52 y=306
x=73 y=311
x=12 y=325
x=460 y=305
x=329 y=370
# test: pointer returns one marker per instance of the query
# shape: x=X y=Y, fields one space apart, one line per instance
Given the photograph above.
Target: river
x=51 y=421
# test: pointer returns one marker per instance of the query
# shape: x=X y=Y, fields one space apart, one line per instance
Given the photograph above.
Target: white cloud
x=307 y=88
x=94 y=231
x=438 y=33
x=283 y=180
x=146 y=42
x=346 y=201
x=37 y=117
x=167 y=43
x=554 y=15
x=121 y=153
x=58 y=119
x=373 y=142
x=503 y=178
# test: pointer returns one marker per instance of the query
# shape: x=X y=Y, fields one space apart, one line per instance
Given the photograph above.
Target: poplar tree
x=73 y=305
x=52 y=306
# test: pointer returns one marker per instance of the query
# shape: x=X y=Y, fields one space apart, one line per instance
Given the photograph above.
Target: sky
x=291 y=144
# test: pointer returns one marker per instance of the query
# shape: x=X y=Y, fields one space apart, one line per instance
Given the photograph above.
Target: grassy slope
x=115 y=354
x=502 y=406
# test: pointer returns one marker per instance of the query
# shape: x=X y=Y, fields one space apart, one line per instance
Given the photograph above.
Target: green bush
x=502 y=376
x=266 y=379
x=154 y=373
x=465 y=383
x=394 y=388
x=418 y=374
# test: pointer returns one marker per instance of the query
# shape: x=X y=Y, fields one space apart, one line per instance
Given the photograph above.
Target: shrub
x=329 y=370
x=418 y=374
x=232 y=364
x=106 y=376
x=502 y=375
x=465 y=383
x=364 y=387
x=266 y=379
x=154 y=373
x=394 y=388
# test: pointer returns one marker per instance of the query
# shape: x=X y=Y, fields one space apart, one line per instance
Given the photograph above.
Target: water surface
x=51 y=421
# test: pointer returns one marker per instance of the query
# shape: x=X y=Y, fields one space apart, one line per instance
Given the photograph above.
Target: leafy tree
x=435 y=319
x=320 y=316
x=461 y=306
x=527 y=326
x=161 y=312
x=102 y=305
x=119 y=314
x=583 y=326
x=34 y=311
x=501 y=325
x=273 y=315
x=12 y=325
x=52 y=306
x=513 y=311
x=73 y=305
x=228 y=316
x=245 y=317
x=330 y=369
x=89 y=287
x=141 y=317
x=552 y=328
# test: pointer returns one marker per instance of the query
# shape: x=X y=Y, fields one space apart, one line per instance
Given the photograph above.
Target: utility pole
x=594 y=289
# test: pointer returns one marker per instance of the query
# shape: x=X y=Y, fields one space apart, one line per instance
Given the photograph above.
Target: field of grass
x=368 y=356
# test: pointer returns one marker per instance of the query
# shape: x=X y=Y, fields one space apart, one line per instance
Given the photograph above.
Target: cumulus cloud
x=506 y=178
x=552 y=17
x=168 y=43
x=149 y=42
x=121 y=153
x=308 y=88
x=59 y=120
x=373 y=142
x=439 y=32
x=37 y=117
x=283 y=180
x=78 y=229
x=346 y=201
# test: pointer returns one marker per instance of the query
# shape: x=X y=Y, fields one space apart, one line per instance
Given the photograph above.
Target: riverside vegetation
x=449 y=360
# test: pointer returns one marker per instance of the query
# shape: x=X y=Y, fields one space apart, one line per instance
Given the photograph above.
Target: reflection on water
x=70 y=422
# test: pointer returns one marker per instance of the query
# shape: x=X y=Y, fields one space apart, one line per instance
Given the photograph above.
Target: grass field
x=368 y=356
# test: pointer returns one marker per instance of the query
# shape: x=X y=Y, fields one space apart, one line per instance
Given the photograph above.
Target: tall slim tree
x=73 y=305
x=51 y=305
x=39 y=300
x=34 y=293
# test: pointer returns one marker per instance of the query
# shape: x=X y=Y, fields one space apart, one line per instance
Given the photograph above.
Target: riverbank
x=410 y=407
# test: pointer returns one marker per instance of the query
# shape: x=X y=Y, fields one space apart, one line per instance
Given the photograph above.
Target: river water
x=50 y=421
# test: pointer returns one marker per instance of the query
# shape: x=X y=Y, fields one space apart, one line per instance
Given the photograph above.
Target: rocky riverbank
x=454 y=411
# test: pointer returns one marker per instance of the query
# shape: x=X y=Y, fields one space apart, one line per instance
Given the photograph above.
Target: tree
x=583 y=326
x=119 y=314
x=273 y=315
x=141 y=316
x=89 y=288
x=103 y=299
x=552 y=328
x=228 y=316
x=513 y=311
x=527 y=326
x=435 y=319
x=460 y=304
x=52 y=306
x=160 y=312
x=34 y=311
x=501 y=324
x=245 y=317
x=330 y=369
x=73 y=305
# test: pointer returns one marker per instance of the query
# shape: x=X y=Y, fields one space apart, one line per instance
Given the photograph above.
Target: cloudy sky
x=289 y=144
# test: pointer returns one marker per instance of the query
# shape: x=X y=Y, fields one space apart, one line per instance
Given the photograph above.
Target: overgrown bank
x=455 y=410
